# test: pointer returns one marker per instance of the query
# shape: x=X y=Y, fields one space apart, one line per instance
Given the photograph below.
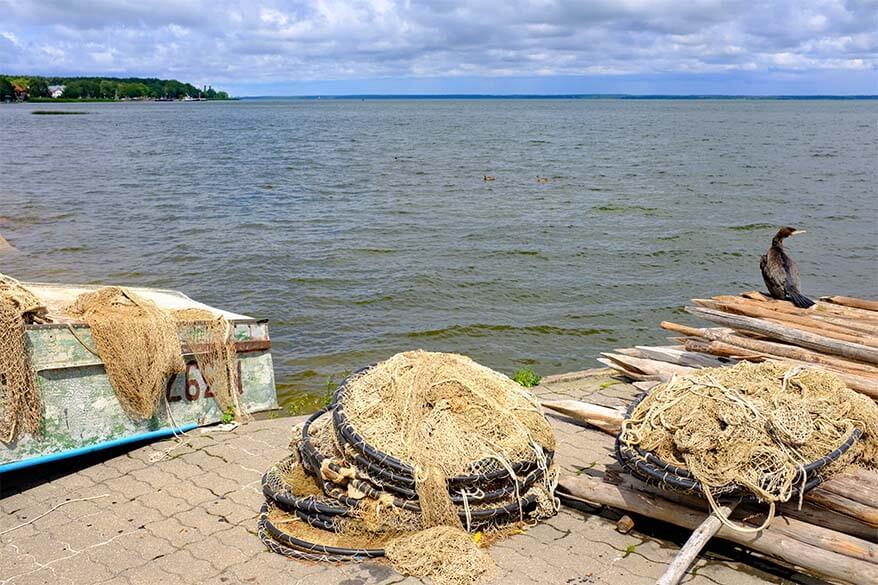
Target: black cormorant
x=780 y=273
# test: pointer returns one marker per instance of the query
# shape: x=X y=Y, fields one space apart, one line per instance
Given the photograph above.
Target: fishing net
x=211 y=341
x=764 y=429
x=444 y=554
x=136 y=340
x=20 y=401
x=414 y=457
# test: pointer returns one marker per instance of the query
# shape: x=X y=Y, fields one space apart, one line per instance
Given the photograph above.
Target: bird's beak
x=797 y=232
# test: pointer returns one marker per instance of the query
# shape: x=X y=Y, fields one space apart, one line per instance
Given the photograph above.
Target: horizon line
x=558 y=96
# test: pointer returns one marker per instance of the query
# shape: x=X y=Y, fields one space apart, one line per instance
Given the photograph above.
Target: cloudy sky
x=448 y=46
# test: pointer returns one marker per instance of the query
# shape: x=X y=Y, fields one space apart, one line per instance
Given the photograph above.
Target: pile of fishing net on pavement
x=420 y=459
x=20 y=404
x=762 y=431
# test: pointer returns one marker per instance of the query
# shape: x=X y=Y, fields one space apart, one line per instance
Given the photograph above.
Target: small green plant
x=228 y=416
x=526 y=377
x=298 y=406
x=329 y=390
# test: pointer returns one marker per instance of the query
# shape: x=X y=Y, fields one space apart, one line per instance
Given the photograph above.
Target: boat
x=81 y=413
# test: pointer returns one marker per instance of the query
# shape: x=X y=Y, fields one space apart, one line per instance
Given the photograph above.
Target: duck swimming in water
x=780 y=273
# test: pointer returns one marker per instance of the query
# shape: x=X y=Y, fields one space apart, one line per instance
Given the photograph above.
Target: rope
x=81 y=342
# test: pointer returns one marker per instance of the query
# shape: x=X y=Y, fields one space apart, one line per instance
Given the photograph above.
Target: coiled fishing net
x=136 y=340
x=20 y=400
x=756 y=428
x=414 y=456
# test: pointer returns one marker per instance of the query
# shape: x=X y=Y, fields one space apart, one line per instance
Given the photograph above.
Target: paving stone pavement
x=185 y=512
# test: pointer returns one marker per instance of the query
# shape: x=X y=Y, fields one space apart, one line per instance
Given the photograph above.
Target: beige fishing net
x=136 y=340
x=446 y=418
x=20 y=401
x=139 y=343
x=212 y=342
x=754 y=425
x=446 y=555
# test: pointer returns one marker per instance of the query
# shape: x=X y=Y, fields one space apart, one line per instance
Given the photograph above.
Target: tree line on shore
x=102 y=88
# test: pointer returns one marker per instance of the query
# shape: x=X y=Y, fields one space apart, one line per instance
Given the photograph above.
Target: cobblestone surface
x=191 y=518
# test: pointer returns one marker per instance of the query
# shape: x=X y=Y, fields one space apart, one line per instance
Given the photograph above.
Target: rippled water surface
x=364 y=228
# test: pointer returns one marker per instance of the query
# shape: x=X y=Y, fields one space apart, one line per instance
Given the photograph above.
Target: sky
x=326 y=47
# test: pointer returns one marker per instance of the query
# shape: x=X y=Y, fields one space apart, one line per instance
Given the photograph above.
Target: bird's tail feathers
x=800 y=300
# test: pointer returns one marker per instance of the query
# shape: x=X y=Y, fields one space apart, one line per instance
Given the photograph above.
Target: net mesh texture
x=754 y=426
x=421 y=458
x=20 y=400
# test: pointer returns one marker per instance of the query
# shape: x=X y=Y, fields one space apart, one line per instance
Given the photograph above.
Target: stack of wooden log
x=833 y=532
x=838 y=334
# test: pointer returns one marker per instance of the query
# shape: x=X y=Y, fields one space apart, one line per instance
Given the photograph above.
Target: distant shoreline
x=564 y=97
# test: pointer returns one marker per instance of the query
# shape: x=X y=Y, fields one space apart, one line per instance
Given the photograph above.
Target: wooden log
x=822 y=307
x=862 y=474
x=606 y=419
x=771 y=348
x=813 y=514
x=856 y=303
x=846 y=349
x=788 y=309
x=697 y=541
x=864 y=491
x=856 y=323
x=770 y=542
x=720 y=348
x=803 y=323
x=647 y=366
x=679 y=356
x=807 y=514
x=819 y=536
x=862 y=512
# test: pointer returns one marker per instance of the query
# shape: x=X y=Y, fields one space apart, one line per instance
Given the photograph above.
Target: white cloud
x=237 y=41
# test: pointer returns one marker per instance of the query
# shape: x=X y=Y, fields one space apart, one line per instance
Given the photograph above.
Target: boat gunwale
x=84 y=325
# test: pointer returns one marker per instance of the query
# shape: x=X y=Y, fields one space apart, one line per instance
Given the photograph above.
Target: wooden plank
x=647 y=366
x=846 y=349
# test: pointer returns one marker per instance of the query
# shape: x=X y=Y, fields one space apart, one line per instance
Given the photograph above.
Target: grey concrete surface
x=185 y=512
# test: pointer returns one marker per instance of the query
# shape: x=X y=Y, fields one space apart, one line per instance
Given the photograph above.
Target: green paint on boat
x=80 y=408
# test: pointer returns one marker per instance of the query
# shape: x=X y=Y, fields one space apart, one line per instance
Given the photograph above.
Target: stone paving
x=185 y=512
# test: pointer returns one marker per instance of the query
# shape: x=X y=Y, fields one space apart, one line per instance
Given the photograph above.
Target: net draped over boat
x=210 y=339
x=136 y=340
x=20 y=400
x=139 y=343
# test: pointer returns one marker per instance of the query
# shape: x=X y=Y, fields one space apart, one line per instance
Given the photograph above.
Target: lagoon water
x=362 y=228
